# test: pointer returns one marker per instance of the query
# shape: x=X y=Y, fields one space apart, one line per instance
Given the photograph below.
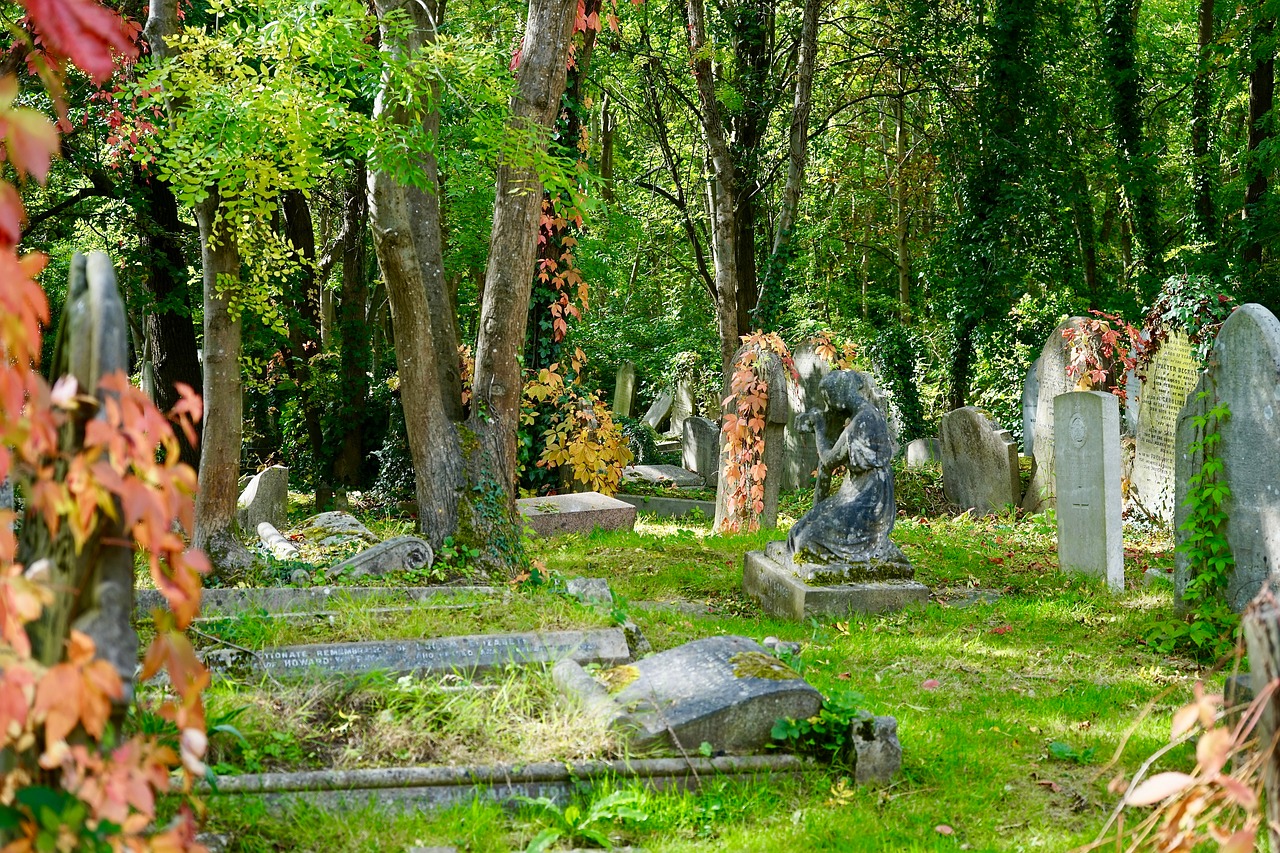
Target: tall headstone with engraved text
x=1170 y=376
x=1087 y=460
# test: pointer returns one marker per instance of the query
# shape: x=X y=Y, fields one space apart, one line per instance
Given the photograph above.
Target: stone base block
x=576 y=513
x=785 y=596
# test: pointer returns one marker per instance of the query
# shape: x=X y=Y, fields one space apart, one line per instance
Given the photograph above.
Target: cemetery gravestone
x=576 y=513
x=658 y=411
x=400 y=554
x=979 y=462
x=624 y=389
x=922 y=451
x=1052 y=380
x=1087 y=451
x=1030 y=399
x=1171 y=375
x=1244 y=374
x=801 y=451
x=336 y=528
x=682 y=407
x=275 y=542
x=700 y=452
x=266 y=498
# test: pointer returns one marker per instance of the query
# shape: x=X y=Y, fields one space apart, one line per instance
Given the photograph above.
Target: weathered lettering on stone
x=979 y=462
x=1171 y=375
x=1087 y=450
x=1030 y=400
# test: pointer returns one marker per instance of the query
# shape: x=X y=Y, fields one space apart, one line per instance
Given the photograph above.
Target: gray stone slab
x=469 y=654
x=801 y=458
x=242 y=601
x=781 y=594
x=670 y=507
x=1087 y=460
x=700 y=450
x=1170 y=377
x=266 y=498
x=624 y=389
x=1243 y=374
x=662 y=475
x=400 y=554
x=726 y=691
x=1052 y=380
x=590 y=590
x=576 y=513
x=661 y=407
x=683 y=406
x=979 y=462
x=1030 y=399
x=923 y=451
x=336 y=528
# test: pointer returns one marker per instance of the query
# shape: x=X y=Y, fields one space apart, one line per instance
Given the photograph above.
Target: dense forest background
x=936 y=183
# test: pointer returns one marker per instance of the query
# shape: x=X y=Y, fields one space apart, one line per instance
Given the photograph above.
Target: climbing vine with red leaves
x=70 y=780
x=1107 y=346
x=745 y=419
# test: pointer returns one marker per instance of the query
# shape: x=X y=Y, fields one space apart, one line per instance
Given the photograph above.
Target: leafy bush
x=641 y=438
x=829 y=734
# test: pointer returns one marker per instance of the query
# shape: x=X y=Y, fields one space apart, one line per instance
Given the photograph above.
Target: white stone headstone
x=1087 y=451
x=979 y=462
x=658 y=411
x=682 y=407
x=1170 y=376
x=923 y=451
x=801 y=448
x=700 y=451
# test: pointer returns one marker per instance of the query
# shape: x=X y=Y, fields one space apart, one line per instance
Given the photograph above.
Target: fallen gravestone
x=664 y=507
x=662 y=475
x=401 y=554
x=437 y=655
x=700 y=451
x=230 y=602
x=590 y=590
x=275 y=542
x=725 y=691
x=1030 y=399
x=1052 y=380
x=659 y=410
x=979 y=462
x=1087 y=451
x=336 y=528
x=1170 y=376
x=923 y=451
x=1244 y=375
x=576 y=513
x=266 y=498
x=624 y=389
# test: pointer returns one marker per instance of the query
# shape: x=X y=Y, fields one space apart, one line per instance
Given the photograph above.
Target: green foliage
x=1195 y=304
x=1063 y=751
x=641 y=438
x=828 y=734
x=578 y=823
x=894 y=353
x=1209 y=629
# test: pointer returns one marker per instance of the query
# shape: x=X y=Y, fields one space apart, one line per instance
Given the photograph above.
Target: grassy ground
x=1013 y=689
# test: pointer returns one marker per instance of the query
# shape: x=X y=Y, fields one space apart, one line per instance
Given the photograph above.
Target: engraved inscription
x=1171 y=376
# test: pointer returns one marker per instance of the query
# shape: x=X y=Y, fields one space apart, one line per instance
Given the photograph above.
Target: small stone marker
x=979 y=462
x=577 y=513
x=1052 y=381
x=1171 y=375
x=441 y=654
x=1243 y=374
x=266 y=498
x=682 y=407
x=275 y=542
x=401 y=554
x=624 y=389
x=336 y=528
x=725 y=691
x=700 y=452
x=1087 y=451
x=226 y=602
x=1030 y=399
x=658 y=411
x=590 y=590
x=662 y=475
x=923 y=451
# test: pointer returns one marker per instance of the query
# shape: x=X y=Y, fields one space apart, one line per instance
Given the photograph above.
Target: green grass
x=1055 y=659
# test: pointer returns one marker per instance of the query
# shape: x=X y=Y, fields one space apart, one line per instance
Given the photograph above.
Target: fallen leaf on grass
x=1003 y=629
x=943 y=829
x=1051 y=785
x=843 y=676
x=931 y=684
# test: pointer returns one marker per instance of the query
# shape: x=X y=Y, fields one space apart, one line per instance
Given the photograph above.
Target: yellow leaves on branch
x=583 y=435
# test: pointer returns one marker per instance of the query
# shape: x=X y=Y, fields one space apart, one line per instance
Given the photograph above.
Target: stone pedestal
x=781 y=594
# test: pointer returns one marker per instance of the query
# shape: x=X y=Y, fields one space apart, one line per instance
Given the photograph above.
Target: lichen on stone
x=761 y=665
x=617 y=679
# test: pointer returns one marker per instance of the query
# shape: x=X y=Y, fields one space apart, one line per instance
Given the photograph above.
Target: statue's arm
x=832 y=455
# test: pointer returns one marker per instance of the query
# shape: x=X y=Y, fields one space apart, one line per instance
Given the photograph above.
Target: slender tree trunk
x=608 y=126
x=1086 y=239
x=900 y=198
x=355 y=331
x=1204 y=173
x=1262 y=83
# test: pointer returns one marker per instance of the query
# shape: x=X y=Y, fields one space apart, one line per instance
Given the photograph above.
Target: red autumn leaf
x=11 y=215
x=84 y=32
x=930 y=684
x=31 y=141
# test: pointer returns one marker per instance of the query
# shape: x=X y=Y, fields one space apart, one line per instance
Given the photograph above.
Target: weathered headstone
x=662 y=475
x=400 y=554
x=590 y=590
x=577 y=513
x=923 y=451
x=624 y=389
x=700 y=452
x=1243 y=374
x=336 y=528
x=1170 y=376
x=1087 y=458
x=682 y=407
x=1052 y=380
x=776 y=413
x=725 y=691
x=979 y=462
x=266 y=498
x=275 y=542
x=660 y=409
x=801 y=454
x=442 y=654
x=1030 y=399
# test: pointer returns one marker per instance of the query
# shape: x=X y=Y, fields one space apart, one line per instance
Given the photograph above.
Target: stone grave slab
x=1052 y=380
x=1244 y=374
x=1087 y=451
x=231 y=601
x=624 y=389
x=725 y=691
x=801 y=453
x=923 y=451
x=266 y=498
x=662 y=475
x=664 y=507
x=473 y=653
x=668 y=445
x=336 y=528
x=1170 y=377
x=590 y=590
x=1030 y=399
x=660 y=409
x=400 y=554
x=275 y=542
x=576 y=513
x=700 y=450
x=767 y=580
x=979 y=462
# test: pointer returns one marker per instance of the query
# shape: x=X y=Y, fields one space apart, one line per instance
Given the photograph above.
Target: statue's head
x=844 y=390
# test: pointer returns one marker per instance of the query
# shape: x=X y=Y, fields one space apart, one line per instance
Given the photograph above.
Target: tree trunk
x=215 y=532
x=1262 y=83
x=170 y=333
x=1204 y=175
x=900 y=198
x=355 y=332
x=1261 y=622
